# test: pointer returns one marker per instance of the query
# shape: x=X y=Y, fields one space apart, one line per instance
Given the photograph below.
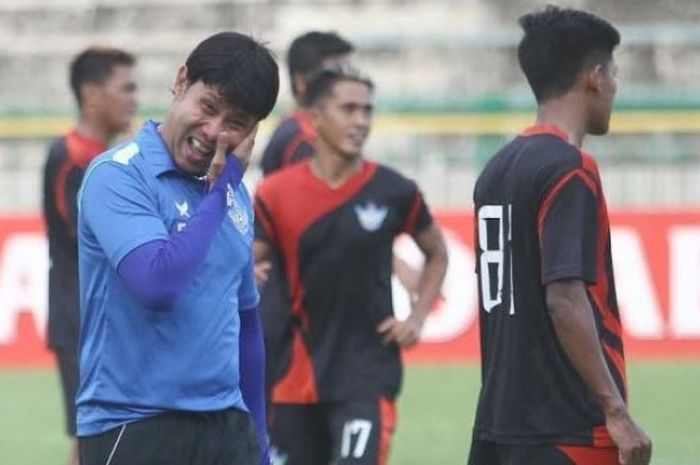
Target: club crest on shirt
x=371 y=216
x=237 y=214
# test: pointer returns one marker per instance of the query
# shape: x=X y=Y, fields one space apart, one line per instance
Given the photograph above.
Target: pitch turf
x=435 y=414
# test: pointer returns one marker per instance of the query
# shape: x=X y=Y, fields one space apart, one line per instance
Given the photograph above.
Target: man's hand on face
x=242 y=151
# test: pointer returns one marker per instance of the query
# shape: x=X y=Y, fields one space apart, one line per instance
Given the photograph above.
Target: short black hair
x=94 y=65
x=242 y=69
x=321 y=82
x=308 y=51
x=559 y=44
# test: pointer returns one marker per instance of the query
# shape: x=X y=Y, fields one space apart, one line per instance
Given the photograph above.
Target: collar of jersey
x=539 y=129
x=154 y=150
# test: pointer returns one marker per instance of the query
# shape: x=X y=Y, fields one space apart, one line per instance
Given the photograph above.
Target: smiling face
x=198 y=115
x=343 y=118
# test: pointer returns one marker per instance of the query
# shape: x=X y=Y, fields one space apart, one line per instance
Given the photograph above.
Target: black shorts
x=491 y=453
x=68 y=373
x=226 y=437
x=342 y=433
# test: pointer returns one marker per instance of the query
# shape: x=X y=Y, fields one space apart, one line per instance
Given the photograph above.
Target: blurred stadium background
x=449 y=93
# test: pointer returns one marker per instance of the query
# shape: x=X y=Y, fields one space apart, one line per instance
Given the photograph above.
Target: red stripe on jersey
x=80 y=152
x=82 y=149
x=412 y=217
x=59 y=192
x=306 y=133
x=301 y=198
x=299 y=384
x=387 y=419
x=589 y=163
x=554 y=192
x=601 y=437
x=618 y=360
x=539 y=129
x=598 y=294
x=306 y=198
x=581 y=455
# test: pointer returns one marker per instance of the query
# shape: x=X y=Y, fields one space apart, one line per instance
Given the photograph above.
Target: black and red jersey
x=336 y=249
x=540 y=217
x=65 y=166
x=291 y=142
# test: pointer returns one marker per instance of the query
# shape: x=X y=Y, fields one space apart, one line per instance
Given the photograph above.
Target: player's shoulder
x=283 y=179
x=58 y=147
x=550 y=150
x=390 y=176
x=118 y=164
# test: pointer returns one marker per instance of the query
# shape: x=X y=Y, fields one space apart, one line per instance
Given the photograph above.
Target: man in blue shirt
x=171 y=353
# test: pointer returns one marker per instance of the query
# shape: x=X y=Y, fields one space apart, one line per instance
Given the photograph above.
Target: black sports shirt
x=336 y=248
x=540 y=217
x=65 y=166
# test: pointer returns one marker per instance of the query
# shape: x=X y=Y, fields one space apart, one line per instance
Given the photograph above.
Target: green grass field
x=435 y=414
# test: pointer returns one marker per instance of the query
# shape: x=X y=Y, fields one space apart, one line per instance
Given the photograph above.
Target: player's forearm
x=573 y=322
x=157 y=272
x=430 y=282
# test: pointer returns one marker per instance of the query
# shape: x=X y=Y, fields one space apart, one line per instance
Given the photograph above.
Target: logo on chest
x=238 y=215
x=183 y=209
x=371 y=216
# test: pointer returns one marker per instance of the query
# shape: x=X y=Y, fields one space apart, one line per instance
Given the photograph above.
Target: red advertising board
x=657 y=271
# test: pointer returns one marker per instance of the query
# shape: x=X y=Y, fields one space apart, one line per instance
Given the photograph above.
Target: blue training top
x=136 y=362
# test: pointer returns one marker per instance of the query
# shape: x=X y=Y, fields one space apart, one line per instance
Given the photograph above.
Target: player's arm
x=264 y=235
x=154 y=265
x=406 y=333
x=262 y=251
x=568 y=232
x=574 y=325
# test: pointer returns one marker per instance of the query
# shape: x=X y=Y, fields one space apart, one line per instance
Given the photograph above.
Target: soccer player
x=171 y=354
x=553 y=369
x=333 y=219
x=102 y=81
x=292 y=141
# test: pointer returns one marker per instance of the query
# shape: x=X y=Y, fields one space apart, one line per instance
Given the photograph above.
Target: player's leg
x=362 y=431
x=299 y=435
x=67 y=360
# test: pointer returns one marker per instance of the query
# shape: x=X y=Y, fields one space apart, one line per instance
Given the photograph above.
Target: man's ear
x=594 y=78
x=180 y=81
x=89 y=94
x=314 y=111
x=299 y=83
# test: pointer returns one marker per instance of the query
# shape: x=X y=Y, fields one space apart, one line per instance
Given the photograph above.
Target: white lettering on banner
x=684 y=277
x=639 y=304
x=458 y=311
x=24 y=268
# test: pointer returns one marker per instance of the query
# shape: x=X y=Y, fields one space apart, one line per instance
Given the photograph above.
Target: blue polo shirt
x=136 y=362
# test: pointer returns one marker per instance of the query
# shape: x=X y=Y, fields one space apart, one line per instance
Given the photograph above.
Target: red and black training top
x=68 y=157
x=336 y=248
x=541 y=217
x=291 y=142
